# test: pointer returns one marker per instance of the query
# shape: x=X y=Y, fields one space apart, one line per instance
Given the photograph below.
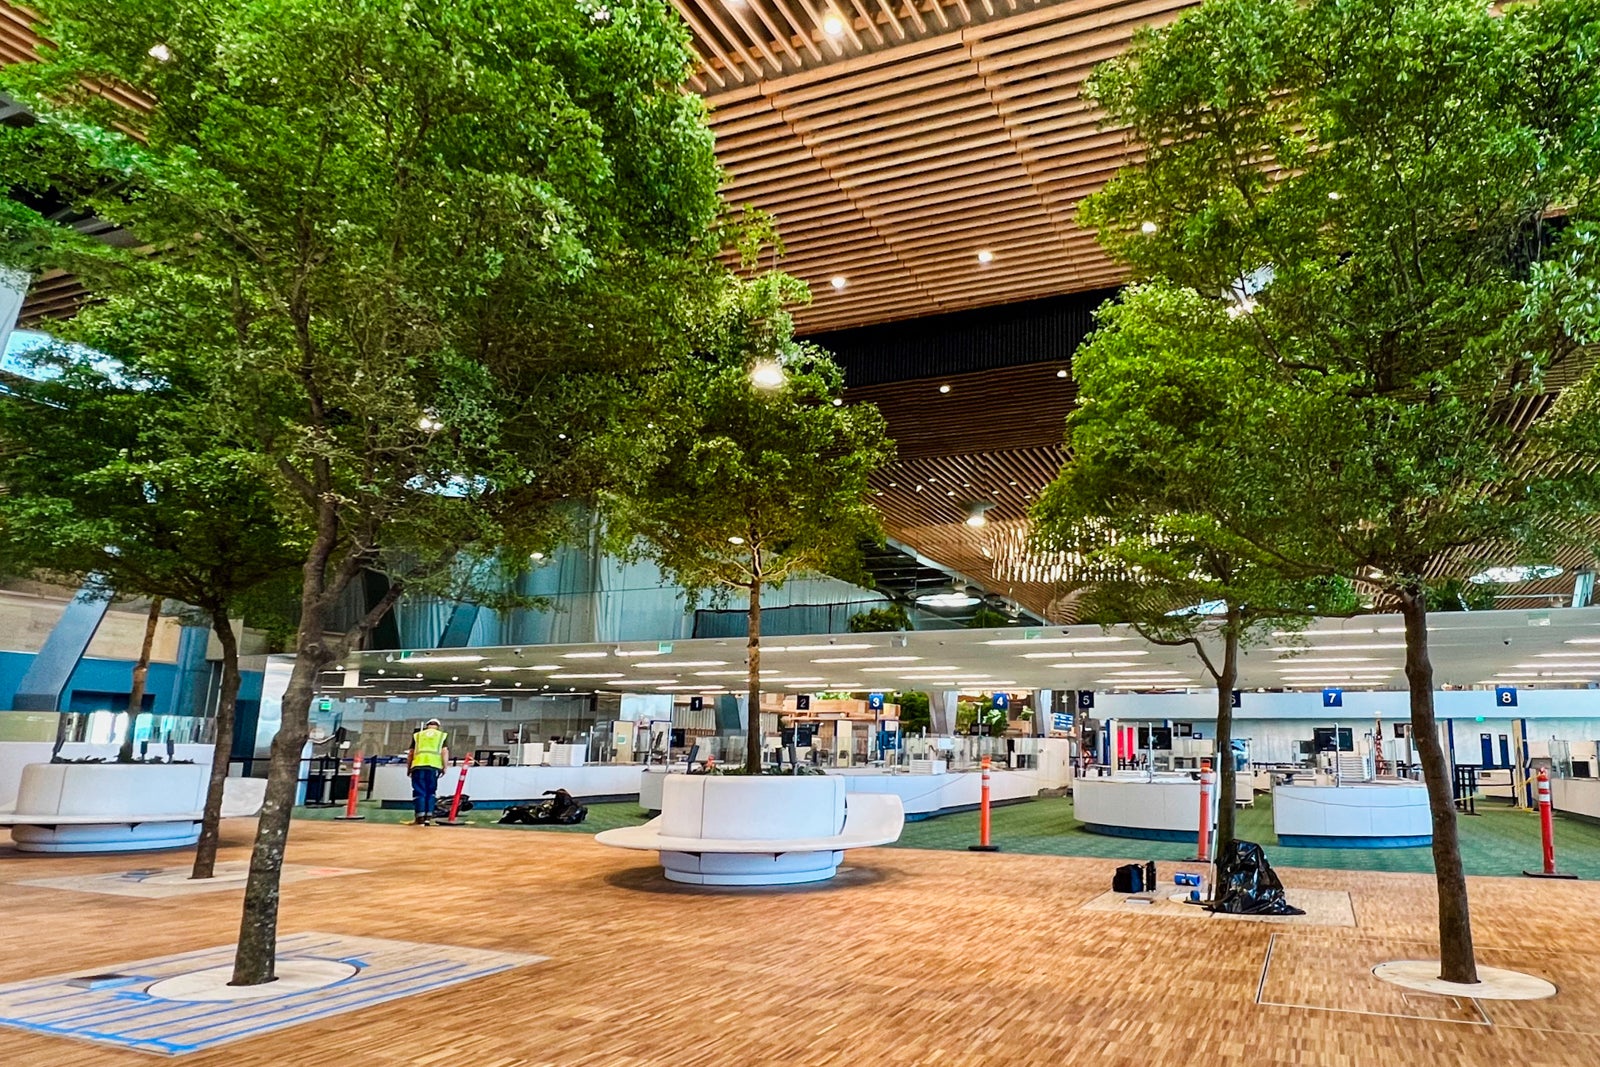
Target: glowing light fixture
x=767 y=374
x=839 y=282
x=160 y=53
x=985 y=256
x=1147 y=227
x=833 y=25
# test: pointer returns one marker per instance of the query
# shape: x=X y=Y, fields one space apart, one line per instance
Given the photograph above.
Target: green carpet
x=1499 y=841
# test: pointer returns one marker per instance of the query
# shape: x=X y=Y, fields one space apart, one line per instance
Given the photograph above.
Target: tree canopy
x=410 y=249
x=760 y=471
x=1373 y=221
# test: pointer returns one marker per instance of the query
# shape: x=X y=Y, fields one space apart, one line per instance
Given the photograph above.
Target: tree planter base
x=1494 y=983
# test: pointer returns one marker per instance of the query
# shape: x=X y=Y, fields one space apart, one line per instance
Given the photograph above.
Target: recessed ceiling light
x=1147 y=227
x=839 y=282
x=838 y=401
x=1062 y=373
x=943 y=389
x=985 y=256
x=833 y=25
x=537 y=556
x=160 y=53
x=735 y=540
x=767 y=374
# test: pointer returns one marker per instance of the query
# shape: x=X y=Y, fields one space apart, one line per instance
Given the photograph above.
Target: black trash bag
x=441 y=806
x=518 y=813
x=561 y=809
x=1247 y=884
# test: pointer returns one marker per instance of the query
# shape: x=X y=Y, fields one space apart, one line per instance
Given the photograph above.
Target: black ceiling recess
x=1034 y=331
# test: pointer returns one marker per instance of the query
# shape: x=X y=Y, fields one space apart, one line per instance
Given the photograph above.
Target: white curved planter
x=759 y=830
x=107 y=807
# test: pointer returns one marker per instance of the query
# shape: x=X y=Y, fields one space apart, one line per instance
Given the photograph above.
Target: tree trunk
x=255 y=959
x=1227 y=775
x=1455 y=924
x=205 y=856
x=752 y=744
x=141 y=671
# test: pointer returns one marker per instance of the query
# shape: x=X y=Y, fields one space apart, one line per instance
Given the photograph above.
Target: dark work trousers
x=424 y=790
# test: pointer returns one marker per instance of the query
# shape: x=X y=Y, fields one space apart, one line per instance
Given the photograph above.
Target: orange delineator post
x=983 y=844
x=353 y=793
x=1203 y=851
x=461 y=783
x=1547 y=831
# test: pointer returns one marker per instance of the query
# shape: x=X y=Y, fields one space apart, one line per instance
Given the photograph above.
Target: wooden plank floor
x=912 y=958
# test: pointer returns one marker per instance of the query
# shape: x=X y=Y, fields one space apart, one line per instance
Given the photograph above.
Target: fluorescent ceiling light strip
x=813 y=648
x=868 y=659
x=1090 y=666
x=658 y=664
x=1559 y=666
x=895 y=670
x=1056 y=640
x=1338 y=648
x=440 y=659
x=630 y=653
x=1086 y=655
x=1328 y=659
x=570 y=677
x=735 y=674
x=1562 y=655
x=1582 y=641
x=584 y=655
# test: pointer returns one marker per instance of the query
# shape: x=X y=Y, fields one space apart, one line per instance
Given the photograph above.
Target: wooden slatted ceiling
x=892 y=167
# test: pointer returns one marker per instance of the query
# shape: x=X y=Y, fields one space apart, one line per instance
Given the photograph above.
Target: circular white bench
x=759 y=830
x=118 y=807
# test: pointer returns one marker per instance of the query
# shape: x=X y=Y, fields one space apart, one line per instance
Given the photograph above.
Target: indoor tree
x=1387 y=205
x=411 y=247
x=760 y=472
x=119 y=483
x=1139 y=516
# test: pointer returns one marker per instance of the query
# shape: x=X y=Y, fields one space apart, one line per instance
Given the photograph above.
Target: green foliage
x=987 y=618
x=751 y=485
x=1364 y=233
x=123 y=485
x=970 y=713
x=886 y=619
x=1358 y=261
x=411 y=253
x=915 y=712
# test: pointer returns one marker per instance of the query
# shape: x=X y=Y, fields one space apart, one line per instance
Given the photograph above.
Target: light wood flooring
x=911 y=957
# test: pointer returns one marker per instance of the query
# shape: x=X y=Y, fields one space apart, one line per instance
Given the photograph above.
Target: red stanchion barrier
x=1203 y=837
x=1547 y=831
x=461 y=784
x=983 y=844
x=353 y=794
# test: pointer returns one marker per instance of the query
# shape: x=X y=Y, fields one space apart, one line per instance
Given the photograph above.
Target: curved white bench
x=759 y=830
x=118 y=807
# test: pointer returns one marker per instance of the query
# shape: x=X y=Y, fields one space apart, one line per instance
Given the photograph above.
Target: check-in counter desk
x=1576 y=796
x=1163 y=808
x=1357 y=815
x=503 y=786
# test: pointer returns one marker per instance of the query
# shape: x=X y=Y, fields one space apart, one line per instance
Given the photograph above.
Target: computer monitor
x=680 y=737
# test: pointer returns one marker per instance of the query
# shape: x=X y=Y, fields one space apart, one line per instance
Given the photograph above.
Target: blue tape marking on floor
x=219 y=958
x=135 y=1020
x=298 y=1002
x=443 y=983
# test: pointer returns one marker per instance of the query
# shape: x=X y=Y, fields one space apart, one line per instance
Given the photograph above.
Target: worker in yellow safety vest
x=427 y=759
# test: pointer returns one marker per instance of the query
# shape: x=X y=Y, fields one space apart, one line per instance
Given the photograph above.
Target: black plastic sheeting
x=1247 y=884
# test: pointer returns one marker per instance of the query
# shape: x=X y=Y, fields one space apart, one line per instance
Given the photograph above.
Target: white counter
x=1363 y=815
x=1578 y=796
x=1164 y=809
x=499 y=786
x=921 y=795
